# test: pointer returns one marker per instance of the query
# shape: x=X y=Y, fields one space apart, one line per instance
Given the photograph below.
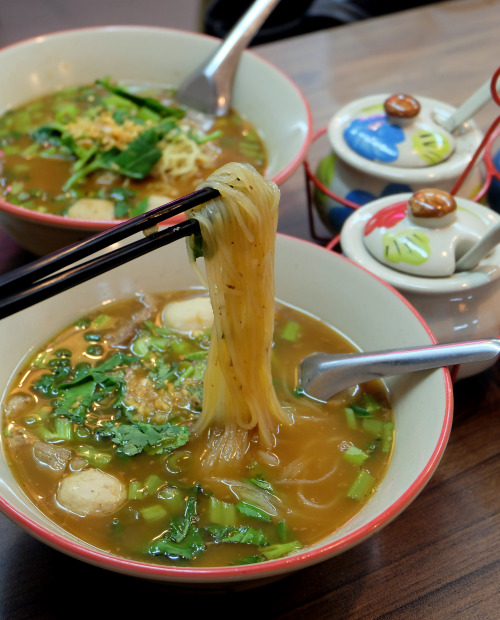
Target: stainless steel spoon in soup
x=209 y=88
x=323 y=375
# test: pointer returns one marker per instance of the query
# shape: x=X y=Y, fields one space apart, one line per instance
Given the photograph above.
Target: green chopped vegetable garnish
x=373 y=426
x=153 y=513
x=182 y=538
x=136 y=490
x=133 y=437
x=371 y=403
x=153 y=483
x=243 y=534
x=94 y=457
x=249 y=510
x=259 y=481
x=284 y=533
x=360 y=411
x=290 y=331
x=221 y=512
x=148 y=102
x=350 y=418
x=249 y=559
x=354 y=455
x=387 y=436
x=362 y=486
x=273 y=552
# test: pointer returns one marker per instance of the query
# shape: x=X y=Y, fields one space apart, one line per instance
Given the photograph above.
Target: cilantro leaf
x=243 y=534
x=76 y=390
x=182 y=538
x=135 y=437
x=253 y=511
x=136 y=160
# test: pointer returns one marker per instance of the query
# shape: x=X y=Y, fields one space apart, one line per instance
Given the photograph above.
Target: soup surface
x=97 y=429
x=105 y=151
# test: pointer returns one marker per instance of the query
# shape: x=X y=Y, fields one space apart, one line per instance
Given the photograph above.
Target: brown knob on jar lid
x=431 y=203
x=401 y=106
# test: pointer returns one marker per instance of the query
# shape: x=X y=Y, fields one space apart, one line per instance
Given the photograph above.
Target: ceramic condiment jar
x=387 y=144
x=412 y=241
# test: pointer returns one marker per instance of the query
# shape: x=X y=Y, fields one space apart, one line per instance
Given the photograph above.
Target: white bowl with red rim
x=364 y=308
x=262 y=94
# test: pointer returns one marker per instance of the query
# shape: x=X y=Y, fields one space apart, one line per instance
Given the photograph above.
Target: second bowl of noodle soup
x=321 y=293
x=57 y=188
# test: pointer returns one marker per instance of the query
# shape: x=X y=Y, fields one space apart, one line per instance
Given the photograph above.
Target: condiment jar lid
x=399 y=131
x=410 y=150
x=426 y=234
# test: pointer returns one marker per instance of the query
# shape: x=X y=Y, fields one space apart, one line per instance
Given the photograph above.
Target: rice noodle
x=239 y=231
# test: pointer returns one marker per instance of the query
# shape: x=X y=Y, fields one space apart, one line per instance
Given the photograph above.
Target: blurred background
x=19 y=18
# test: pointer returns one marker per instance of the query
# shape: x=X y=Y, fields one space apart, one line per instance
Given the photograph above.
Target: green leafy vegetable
x=253 y=511
x=147 y=102
x=133 y=437
x=243 y=534
x=259 y=481
x=182 y=538
x=76 y=390
x=273 y=552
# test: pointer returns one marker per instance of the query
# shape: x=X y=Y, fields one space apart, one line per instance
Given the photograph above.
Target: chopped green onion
x=185 y=375
x=135 y=490
x=221 y=512
x=354 y=455
x=372 y=426
x=94 y=457
x=387 y=436
x=177 y=460
x=140 y=346
x=371 y=403
x=272 y=552
x=153 y=483
x=284 y=533
x=290 y=331
x=172 y=497
x=64 y=428
x=180 y=347
x=153 y=513
x=350 y=418
x=361 y=486
x=101 y=321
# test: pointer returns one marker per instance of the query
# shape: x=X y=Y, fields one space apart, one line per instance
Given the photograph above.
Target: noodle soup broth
x=108 y=151
x=262 y=504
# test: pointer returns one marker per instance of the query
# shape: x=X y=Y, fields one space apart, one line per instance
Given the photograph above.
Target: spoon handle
x=209 y=88
x=323 y=375
x=471 y=258
x=468 y=108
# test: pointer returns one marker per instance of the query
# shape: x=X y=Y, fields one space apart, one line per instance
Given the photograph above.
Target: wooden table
x=441 y=558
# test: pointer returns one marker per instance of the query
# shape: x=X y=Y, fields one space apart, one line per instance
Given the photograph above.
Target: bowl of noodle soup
x=251 y=418
x=78 y=99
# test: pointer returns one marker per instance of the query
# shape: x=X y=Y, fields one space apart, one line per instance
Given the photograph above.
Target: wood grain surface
x=440 y=559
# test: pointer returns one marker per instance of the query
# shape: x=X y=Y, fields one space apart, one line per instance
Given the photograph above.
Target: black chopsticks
x=43 y=278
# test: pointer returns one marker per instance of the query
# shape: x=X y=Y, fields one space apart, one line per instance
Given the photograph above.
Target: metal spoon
x=209 y=88
x=323 y=375
x=471 y=258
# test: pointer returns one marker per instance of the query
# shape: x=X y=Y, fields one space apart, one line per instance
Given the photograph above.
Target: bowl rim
x=271 y=568
x=61 y=221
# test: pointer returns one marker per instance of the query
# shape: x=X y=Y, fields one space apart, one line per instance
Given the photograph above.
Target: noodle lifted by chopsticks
x=239 y=232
